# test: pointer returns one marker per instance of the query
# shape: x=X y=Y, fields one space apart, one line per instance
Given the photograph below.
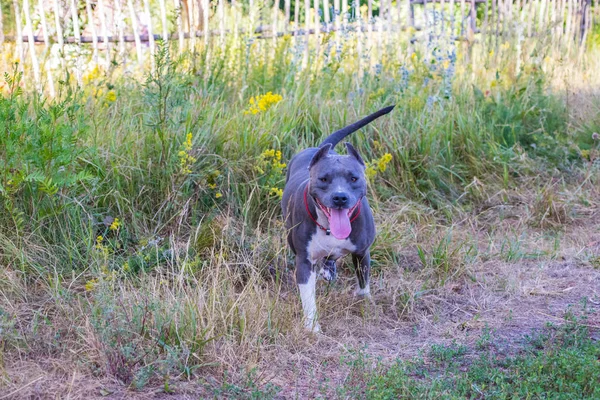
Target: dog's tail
x=337 y=136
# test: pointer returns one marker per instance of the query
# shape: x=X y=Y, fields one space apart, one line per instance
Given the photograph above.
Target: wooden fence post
x=75 y=18
x=473 y=22
x=452 y=18
x=1 y=29
x=163 y=17
x=120 y=22
x=136 y=33
x=19 y=41
x=104 y=31
x=92 y=26
x=44 y=25
x=287 y=10
x=59 y=32
x=150 y=32
x=31 y=43
x=179 y=9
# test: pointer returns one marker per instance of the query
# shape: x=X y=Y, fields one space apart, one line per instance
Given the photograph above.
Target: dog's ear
x=323 y=151
x=352 y=152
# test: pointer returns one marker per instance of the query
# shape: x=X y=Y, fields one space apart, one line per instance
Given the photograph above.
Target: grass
x=141 y=242
x=560 y=363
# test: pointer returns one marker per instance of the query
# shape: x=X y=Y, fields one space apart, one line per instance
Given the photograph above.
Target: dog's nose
x=340 y=199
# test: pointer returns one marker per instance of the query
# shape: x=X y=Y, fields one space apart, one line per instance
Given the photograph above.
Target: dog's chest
x=322 y=245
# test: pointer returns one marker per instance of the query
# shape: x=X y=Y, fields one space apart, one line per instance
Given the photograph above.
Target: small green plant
x=446 y=353
x=446 y=259
x=250 y=388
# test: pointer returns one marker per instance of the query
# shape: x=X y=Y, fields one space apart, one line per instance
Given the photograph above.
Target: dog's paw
x=329 y=271
x=312 y=327
x=364 y=293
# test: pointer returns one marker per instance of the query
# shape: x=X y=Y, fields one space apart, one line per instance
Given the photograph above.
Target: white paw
x=366 y=292
x=312 y=326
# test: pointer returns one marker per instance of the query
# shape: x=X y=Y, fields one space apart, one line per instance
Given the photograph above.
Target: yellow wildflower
x=188 y=142
x=383 y=162
x=276 y=192
x=268 y=153
x=92 y=75
x=446 y=64
x=185 y=158
x=585 y=154
x=111 y=96
x=91 y=284
x=370 y=172
x=115 y=224
x=218 y=195
x=99 y=239
x=212 y=185
x=262 y=103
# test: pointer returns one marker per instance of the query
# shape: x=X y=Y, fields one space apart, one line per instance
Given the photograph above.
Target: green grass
x=560 y=363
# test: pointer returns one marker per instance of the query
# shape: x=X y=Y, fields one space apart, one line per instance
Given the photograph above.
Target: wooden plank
x=473 y=22
x=486 y=21
x=317 y=20
x=453 y=17
x=136 y=33
x=59 y=32
x=287 y=9
x=344 y=12
x=307 y=14
x=336 y=14
x=32 y=54
x=296 y=14
x=275 y=10
x=119 y=18
x=92 y=26
x=462 y=17
x=206 y=23
x=1 y=28
x=19 y=42
x=44 y=24
x=180 y=35
x=75 y=18
x=234 y=12
x=443 y=16
x=163 y=19
x=150 y=32
x=104 y=31
x=222 y=20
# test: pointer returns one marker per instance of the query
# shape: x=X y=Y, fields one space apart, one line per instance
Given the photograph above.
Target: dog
x=327 y=215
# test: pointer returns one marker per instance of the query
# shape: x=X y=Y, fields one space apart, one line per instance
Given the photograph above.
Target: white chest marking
x=322 y=245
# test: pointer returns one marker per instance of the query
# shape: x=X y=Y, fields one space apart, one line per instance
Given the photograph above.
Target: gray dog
x=327 y=215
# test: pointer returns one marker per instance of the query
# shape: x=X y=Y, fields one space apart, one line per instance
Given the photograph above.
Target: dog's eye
x=354 y=179
x=323 y=179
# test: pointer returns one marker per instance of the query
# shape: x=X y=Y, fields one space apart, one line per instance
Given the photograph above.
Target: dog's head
x=337 y=183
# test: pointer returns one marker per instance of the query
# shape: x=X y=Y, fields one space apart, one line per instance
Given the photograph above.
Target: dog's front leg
x=306 y=278
x=362 y=264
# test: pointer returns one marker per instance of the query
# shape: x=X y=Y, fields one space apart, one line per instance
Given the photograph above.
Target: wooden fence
x=108 y=27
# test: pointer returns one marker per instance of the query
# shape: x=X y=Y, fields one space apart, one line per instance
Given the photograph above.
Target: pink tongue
x=339 y=223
